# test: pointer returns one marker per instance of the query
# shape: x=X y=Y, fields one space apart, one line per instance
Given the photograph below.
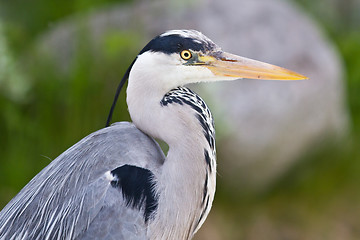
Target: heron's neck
x=187 y=182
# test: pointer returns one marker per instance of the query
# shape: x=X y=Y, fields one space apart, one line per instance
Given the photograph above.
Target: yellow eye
x=185 y=54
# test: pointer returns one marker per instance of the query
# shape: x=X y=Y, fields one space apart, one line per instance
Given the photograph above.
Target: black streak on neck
x=182 y=96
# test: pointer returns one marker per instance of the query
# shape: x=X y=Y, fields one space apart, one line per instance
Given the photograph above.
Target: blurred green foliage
x=58 y=109
x=27 y=20
x=341 y=21
x=318 y=198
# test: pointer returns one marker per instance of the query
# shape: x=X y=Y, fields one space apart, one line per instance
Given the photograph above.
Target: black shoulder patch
x=175 y=44
x=137 y=186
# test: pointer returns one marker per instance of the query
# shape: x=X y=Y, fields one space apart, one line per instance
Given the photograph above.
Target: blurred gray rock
x=263 y=127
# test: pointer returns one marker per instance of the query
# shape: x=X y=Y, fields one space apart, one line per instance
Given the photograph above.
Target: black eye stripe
x=175 y=44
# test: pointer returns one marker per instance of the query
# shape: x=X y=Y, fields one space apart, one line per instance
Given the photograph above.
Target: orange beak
x=230 y=65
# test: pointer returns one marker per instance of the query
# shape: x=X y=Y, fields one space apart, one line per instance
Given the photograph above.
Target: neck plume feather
x=188 y=177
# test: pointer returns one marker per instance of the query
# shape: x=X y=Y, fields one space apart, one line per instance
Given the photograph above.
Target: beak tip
x=302 y=77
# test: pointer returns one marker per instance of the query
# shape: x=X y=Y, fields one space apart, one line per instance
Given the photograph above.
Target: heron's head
x=179 y=57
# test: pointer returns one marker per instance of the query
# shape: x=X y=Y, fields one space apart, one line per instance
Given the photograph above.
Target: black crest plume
x=118 y=90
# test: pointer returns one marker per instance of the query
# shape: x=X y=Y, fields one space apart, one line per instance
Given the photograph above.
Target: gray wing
x=79 y=196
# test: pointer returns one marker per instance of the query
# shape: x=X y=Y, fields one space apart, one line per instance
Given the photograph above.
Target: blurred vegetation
x=56 y=109
x=318 y=198
x=44 y=111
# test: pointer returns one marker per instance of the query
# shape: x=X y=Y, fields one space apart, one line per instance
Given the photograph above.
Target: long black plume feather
x=118 y=90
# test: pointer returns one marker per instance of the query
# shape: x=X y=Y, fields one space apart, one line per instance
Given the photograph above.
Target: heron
x=117 y=183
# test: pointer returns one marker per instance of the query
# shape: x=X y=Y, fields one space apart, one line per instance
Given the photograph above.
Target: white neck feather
x=181 y=183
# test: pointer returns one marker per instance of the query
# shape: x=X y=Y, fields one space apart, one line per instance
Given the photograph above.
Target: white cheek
x=194 y=74
x=165 y=72
x=177 y=73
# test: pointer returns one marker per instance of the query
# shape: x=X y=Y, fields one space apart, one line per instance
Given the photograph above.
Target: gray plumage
x=74 y=187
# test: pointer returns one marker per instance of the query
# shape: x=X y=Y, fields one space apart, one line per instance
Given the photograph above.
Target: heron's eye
x=185 y=54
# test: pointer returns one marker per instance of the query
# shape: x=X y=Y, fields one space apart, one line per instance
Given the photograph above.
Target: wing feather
x=72 y=198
